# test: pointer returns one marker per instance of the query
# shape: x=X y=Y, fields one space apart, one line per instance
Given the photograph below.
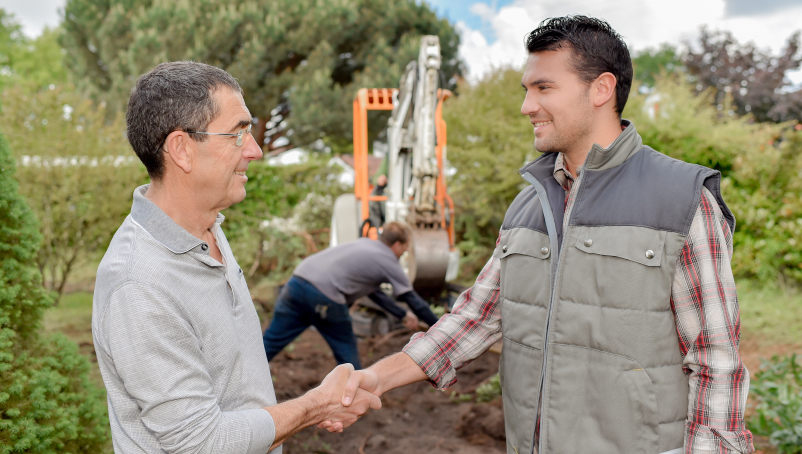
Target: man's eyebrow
x=540 y=82
x=242 y=124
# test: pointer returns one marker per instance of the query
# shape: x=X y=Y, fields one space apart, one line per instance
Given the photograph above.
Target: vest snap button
x=544 y=250
x=588 y=242
x=204 y=246
x=650 y=254
x=504 y=249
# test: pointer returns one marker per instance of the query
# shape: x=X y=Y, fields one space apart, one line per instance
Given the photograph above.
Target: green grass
x=73 y=318
x=771 y=314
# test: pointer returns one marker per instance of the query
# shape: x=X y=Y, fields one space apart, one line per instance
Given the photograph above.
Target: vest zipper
x=552 y=232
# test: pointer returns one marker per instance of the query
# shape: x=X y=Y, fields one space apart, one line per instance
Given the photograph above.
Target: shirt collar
x=162 y=228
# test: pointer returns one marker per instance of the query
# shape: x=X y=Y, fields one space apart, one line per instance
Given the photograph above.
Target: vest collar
x=622 y=148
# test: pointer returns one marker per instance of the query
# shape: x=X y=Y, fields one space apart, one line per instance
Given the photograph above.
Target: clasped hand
x=359 y=392
x=337 y=412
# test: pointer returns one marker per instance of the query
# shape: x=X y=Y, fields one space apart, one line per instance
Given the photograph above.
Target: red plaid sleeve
x=705 y=305
x=472 y=327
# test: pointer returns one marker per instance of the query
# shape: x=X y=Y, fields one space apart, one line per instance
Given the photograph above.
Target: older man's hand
x=333 y=413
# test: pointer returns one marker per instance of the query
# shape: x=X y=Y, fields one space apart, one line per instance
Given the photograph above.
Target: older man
x=176 y=333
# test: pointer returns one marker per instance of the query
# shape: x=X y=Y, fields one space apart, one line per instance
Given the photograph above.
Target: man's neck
x=604 y=136
x=182 y=208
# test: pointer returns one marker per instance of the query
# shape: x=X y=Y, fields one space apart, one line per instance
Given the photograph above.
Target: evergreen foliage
x=47 y=402
x=300 y=62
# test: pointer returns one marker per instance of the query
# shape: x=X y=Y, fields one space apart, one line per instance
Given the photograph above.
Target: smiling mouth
x=541 y=123
x=240 y=173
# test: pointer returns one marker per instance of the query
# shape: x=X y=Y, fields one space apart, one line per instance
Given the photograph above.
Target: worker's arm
x=386 y=303
x=419 y=307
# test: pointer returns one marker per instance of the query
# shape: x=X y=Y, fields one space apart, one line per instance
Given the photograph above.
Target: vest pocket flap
x=637 y=244
x=523 y=241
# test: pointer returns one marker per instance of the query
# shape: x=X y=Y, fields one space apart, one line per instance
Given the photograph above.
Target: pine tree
x=300 y=62
x=47 y=402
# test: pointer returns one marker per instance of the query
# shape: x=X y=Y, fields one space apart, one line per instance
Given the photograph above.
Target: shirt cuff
x=704 y=439
x=427 y=353
x=263 y=429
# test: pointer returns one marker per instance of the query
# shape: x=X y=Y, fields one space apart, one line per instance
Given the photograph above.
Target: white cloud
x=642 y=23
x=34 y=15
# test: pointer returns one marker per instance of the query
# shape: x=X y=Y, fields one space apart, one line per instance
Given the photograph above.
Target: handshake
x=344 y=396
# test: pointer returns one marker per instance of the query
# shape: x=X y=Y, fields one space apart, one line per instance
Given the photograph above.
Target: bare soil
x=414 y=419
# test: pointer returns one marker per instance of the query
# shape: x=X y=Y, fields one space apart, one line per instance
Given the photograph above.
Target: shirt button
x=588 y=242
x=504 y=248
x=650 y=254
x=205 y=247
x=544 y=250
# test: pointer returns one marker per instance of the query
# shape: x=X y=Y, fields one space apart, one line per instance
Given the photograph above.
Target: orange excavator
x=416 y=192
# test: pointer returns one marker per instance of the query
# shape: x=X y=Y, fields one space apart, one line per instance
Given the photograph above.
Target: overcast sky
x=493 y=30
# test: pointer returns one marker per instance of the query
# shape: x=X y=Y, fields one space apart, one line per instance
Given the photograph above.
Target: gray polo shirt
x=352 y=270
x=178 y=342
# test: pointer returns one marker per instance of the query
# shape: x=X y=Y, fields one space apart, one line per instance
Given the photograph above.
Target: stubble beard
x=570 y=133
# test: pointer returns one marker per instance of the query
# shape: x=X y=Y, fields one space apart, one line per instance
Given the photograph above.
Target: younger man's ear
x=603 y=89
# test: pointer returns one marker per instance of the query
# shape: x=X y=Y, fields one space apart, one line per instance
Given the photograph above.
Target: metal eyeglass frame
x=240 y=135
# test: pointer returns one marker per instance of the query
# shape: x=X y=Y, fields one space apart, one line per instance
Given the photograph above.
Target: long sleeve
x=387 y=304
x=159 y=359
x=419 y=307
x=705 y=306
x=469 y=330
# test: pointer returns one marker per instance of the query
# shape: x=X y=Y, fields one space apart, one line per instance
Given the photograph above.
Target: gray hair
x=175 y=96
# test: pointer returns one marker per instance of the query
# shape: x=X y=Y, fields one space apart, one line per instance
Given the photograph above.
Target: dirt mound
x=414 y=419
x=481 y=424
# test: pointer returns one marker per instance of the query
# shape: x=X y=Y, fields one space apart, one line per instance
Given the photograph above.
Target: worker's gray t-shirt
x=352 y=270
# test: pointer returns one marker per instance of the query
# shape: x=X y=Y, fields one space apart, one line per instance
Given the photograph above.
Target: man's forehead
x=546 y=64
x=232 y=105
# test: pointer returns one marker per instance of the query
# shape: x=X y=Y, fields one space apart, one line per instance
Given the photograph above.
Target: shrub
x=47 y=402
x=285 y=216
x=76 y=172
x=777 y=388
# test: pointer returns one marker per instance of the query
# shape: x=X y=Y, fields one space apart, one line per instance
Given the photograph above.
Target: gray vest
x=590 y=340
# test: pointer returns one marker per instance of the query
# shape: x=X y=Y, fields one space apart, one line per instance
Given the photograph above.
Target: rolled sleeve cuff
x=263 y=429
x=426 y=352
x=704 y=439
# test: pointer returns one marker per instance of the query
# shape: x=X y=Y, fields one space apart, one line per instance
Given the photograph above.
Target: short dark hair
x=171 y=97
x=595 y=47
x=393 y=232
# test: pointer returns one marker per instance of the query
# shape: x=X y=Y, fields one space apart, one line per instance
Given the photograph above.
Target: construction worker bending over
x=325 y=284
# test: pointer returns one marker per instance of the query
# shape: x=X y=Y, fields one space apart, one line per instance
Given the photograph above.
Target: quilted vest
x=590 y=340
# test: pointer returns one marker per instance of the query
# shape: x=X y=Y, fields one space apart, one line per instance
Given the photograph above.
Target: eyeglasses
x=240 y=135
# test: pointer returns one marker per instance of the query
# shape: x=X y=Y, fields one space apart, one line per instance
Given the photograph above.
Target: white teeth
x=543 y=123
x=240 y=173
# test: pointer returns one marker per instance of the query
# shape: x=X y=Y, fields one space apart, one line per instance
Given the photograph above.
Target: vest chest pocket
x=525 y=266
x=619 y=266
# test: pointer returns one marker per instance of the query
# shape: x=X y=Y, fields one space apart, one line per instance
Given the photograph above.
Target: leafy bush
x=76 y=171
x=778 y=413
x=285 y=216
x=47 y=402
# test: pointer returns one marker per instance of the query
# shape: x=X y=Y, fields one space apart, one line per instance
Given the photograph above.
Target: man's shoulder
x=130 y=257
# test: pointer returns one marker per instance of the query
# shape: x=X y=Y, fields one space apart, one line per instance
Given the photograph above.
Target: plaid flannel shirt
x=705 y=306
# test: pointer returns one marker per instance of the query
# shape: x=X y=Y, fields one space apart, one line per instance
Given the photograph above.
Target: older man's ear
x=179 y=151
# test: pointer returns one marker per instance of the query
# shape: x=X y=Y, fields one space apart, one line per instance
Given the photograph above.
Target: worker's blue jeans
x=300 y=305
